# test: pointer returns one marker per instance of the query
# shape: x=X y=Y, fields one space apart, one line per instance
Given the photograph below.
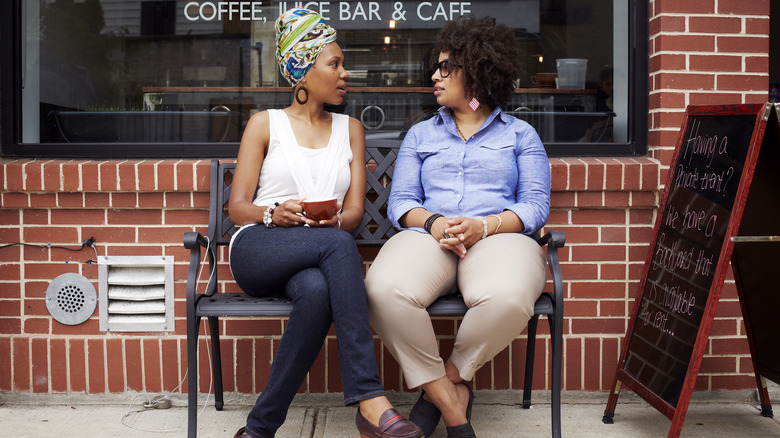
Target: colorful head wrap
x=300 y=36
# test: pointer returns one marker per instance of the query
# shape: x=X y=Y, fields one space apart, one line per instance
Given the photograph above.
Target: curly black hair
x=488 y=53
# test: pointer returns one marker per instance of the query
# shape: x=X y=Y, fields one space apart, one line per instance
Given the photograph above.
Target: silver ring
x=446 y=235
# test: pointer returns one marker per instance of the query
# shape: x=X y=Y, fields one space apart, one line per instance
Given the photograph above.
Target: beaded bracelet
x=268 y=215
x=484 y=226
x=429 y=222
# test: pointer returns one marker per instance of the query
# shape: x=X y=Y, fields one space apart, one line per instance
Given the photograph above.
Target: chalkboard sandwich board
x=701 y=207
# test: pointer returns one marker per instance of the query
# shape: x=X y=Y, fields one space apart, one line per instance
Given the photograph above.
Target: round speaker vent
x=71 y=298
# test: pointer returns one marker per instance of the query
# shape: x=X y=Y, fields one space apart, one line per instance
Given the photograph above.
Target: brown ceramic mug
x=320 y=210
x=544 y=80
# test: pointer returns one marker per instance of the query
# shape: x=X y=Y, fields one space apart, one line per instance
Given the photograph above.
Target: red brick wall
x=130 y=208
x=143 y=207
x=606 y=206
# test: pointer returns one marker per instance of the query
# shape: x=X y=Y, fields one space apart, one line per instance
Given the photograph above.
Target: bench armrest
x=554 y=238
x=193 y=238
x=194 y=241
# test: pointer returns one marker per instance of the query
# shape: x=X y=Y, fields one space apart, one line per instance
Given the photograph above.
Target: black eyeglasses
x=444 y=68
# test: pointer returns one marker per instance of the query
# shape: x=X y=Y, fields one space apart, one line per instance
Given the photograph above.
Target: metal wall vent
x=136 y=293
x=71 y=298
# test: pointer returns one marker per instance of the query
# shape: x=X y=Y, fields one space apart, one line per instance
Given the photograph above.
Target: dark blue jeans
x=320 y=269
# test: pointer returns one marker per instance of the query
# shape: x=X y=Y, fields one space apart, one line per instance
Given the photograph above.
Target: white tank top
x=291 y=171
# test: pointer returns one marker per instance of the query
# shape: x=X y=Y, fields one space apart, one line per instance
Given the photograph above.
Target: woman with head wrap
x=304 y=152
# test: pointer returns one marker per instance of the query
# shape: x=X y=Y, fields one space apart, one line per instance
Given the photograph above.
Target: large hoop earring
x=305 y=92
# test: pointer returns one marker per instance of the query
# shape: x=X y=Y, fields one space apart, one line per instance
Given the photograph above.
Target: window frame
x=11 y=104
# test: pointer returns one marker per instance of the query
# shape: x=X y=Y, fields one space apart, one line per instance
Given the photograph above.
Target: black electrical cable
x=87 y=242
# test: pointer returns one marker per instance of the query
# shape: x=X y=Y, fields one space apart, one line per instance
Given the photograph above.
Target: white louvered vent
x=136 y=293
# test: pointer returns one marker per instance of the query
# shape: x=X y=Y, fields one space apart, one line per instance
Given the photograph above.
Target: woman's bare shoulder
x=355 y=127
x=260 y=117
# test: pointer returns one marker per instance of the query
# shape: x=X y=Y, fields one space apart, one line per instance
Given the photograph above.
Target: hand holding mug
x=321 y=212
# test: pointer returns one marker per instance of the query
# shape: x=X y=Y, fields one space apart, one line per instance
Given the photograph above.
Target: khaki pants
x=500 y=279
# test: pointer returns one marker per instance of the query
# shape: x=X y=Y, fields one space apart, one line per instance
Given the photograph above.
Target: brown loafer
x=391 y=425
x=241 y=432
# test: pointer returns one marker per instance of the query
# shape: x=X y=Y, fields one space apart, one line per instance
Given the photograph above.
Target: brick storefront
x=701 y=52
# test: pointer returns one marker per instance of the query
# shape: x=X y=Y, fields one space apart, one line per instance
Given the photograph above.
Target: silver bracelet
x=484 y=226
x=500 y=222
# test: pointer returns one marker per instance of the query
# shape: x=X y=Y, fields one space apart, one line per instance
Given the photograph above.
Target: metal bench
x=374 y=230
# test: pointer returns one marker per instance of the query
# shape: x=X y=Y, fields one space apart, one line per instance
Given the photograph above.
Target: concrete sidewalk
x=496 y=414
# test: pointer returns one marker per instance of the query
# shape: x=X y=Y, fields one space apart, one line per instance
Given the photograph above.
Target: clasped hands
x=464 y=232
x=290 y=214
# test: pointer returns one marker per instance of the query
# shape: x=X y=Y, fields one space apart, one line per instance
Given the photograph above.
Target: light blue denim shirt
x=502 y=167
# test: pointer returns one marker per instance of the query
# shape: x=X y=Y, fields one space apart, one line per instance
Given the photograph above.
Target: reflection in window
x=158 y=17
x=194 y=71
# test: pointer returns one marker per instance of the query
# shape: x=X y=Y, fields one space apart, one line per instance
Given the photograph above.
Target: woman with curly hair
x=470 y=185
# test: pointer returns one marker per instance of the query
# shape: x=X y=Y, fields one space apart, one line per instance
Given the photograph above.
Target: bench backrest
x=374 y=230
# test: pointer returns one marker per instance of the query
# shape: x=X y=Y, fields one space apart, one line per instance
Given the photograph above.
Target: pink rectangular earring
x=474 y=104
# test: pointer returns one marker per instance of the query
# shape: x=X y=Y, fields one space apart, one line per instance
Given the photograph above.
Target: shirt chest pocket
x=496 y=156
x=435 y=156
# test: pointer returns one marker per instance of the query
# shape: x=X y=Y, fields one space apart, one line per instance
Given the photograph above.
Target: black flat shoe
x=462 y=431
x=391 y=425
x=425 y=415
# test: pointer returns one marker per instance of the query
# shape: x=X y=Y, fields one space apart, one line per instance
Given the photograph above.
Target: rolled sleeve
x=533 y=187
x=406 y=192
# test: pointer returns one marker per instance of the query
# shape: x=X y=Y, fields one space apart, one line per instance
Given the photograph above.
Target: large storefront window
x=182 y=77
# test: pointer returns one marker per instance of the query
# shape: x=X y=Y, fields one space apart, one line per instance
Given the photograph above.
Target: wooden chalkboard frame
x=759 y=114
